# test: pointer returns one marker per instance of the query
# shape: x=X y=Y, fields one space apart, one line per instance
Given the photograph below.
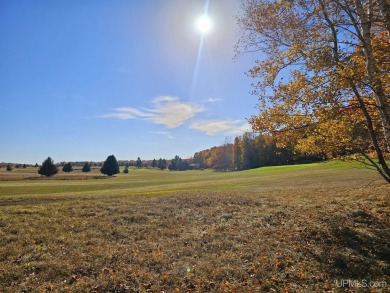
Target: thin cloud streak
x=133 y=112
x=213 y=100
x=122 y=116
x=214 y=127
x=164 y=133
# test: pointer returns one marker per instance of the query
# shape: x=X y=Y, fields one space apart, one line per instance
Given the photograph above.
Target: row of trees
x=69 y=168
x=248 y=151
x=48 y=168
x=251 y=151
x=160 y=164
x=10 y=167
x=109 y=167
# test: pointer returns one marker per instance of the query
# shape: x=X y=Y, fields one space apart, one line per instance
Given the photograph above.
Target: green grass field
x=301 y=228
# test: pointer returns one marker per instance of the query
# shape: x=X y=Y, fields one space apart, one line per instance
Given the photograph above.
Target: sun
x=204 y=24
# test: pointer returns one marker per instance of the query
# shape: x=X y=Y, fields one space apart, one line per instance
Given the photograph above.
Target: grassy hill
x=301 y=227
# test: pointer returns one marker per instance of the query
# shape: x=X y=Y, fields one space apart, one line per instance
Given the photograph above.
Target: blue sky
x=80 y=80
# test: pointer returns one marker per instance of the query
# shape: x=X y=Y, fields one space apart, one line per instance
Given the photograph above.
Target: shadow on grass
x=353 y=246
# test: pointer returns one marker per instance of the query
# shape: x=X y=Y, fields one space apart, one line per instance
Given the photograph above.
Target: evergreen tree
x=138 y=164
x=36 y=165
x=48 y=168
x=67 y=168
x=110 y=166
x=178 y=164
x=24 y=166
x=172 y=165
x=126 y=170
x=9 y=167
x=237 y=154
x=86 y=168
x=247 y=151
x=154 y=163
x=162 y=164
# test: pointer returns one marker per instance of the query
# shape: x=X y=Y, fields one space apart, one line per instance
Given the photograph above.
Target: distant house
x=194 y=166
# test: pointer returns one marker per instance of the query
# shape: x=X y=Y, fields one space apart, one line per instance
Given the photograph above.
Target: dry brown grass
x=31 y=173
x=235 y=240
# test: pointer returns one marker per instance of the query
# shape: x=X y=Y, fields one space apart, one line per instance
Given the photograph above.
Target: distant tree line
x=245 y=152
x=250 y=151
x=10 y=167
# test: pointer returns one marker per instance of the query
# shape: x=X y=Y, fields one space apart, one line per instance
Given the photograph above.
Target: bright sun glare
x=204 y=23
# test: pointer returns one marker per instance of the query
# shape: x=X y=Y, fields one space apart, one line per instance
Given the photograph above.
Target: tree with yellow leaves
x=324 y=75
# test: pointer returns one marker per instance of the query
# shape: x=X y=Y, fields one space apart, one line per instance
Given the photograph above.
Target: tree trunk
x=384 y=8
x=372 y=70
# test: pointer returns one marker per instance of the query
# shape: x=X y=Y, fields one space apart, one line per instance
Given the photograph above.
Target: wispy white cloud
x=213 y=100
x=165 y=99
x=164 y=133
x=126 y=113
x=167 y=110
x=172 y=112
x=214 y=127
x=133 y=112
x=123 y=116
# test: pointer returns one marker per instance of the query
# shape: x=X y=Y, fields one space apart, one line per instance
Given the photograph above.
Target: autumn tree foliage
x=200 y=159
x=253 y=151
x=222 y=157
x=204 y=158
x=323 y=80
x=250 y=151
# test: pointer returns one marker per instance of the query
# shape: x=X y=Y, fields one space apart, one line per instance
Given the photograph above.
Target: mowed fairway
x=302 y=228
